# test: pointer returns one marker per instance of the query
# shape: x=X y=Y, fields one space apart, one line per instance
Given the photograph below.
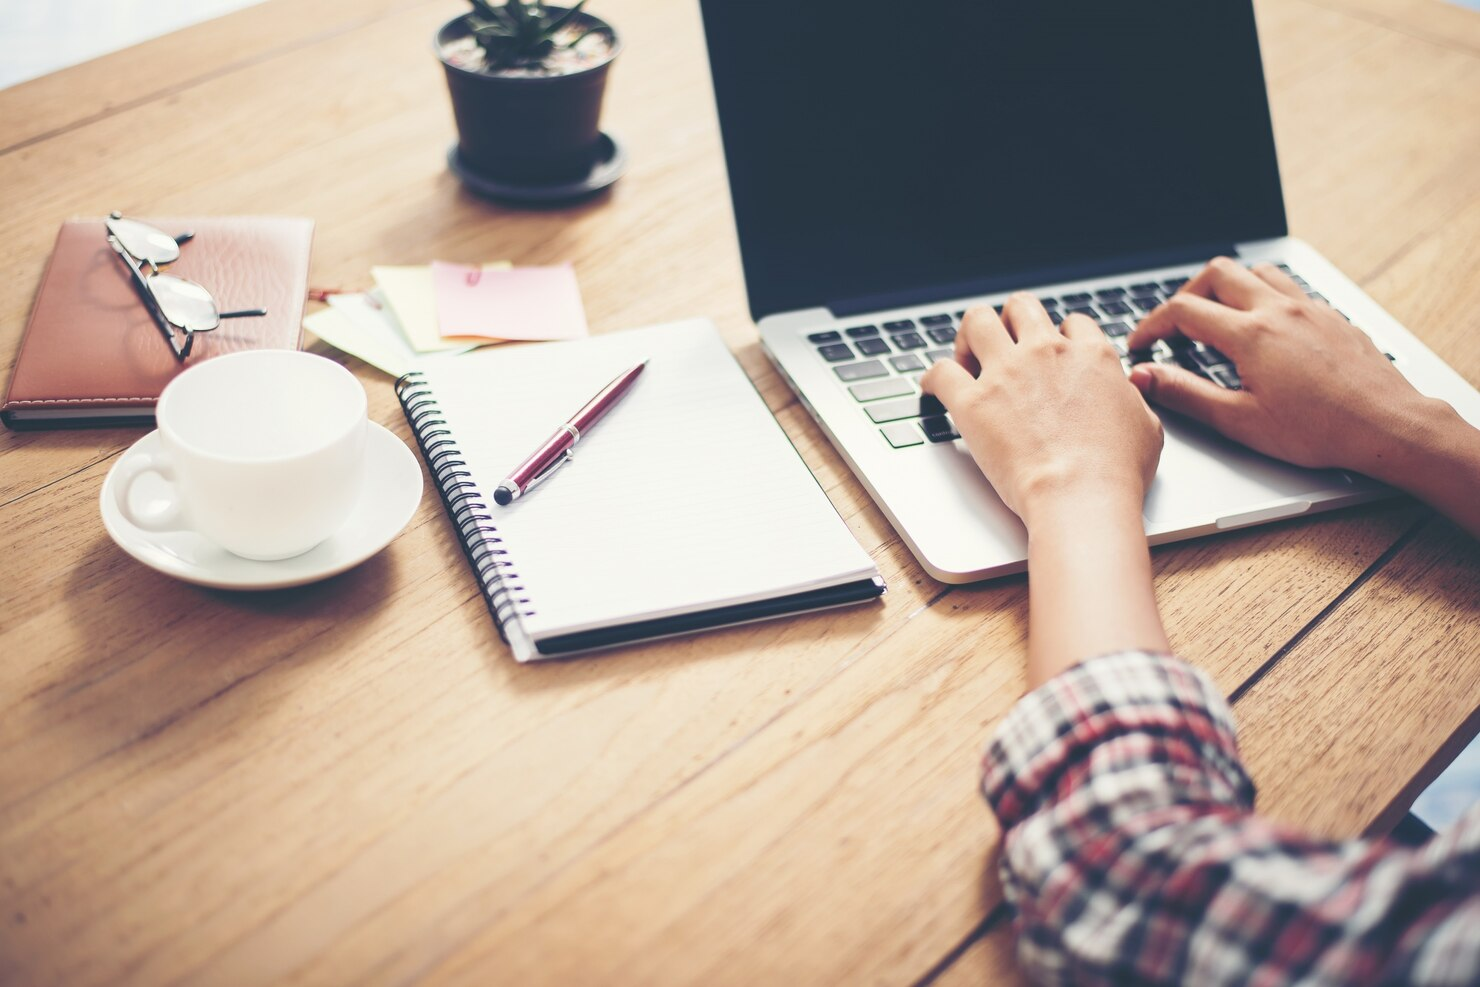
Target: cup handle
x=170 y=518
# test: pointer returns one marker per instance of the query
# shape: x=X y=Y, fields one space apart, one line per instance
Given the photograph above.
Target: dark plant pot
x=527 y=130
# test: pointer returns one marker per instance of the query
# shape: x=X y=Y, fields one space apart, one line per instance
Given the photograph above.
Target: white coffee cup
x=264 y=452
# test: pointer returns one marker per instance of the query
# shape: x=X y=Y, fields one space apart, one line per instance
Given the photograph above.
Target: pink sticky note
x=519 y=303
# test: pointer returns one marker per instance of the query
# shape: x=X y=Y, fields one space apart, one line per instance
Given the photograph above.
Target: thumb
x=1186 y=393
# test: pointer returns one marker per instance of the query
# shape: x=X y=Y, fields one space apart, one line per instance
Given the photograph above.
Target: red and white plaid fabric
x=1133 y=855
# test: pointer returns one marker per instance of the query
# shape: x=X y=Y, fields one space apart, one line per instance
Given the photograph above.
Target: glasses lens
x=144 y=241
x=185 y=303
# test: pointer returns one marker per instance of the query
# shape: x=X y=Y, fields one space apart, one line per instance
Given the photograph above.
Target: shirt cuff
x=1045 y=748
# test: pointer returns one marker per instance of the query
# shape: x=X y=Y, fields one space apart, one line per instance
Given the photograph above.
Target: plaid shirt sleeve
x=1133 y=855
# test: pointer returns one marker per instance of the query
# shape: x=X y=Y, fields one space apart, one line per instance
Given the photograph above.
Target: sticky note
x=363 y=326
x=412 y=296
x=513 y=303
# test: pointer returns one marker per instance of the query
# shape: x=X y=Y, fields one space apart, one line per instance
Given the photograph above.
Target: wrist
x=1413 y=446
x=1075 y=503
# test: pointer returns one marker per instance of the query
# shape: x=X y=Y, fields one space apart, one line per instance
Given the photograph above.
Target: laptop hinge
x=1119 y=264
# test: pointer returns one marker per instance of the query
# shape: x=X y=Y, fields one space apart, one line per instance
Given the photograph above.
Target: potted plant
x=527 y=80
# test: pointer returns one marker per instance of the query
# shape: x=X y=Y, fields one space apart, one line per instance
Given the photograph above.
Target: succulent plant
x=519 y=32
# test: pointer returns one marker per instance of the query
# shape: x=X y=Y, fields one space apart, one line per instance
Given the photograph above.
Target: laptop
x=893 y=164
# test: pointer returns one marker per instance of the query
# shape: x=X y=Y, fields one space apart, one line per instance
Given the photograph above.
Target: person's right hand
x=1316 y=391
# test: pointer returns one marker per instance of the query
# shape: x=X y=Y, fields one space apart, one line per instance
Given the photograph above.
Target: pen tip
x=503 y=496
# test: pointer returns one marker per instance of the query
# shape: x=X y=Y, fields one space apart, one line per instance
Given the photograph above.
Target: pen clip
x=548 y=471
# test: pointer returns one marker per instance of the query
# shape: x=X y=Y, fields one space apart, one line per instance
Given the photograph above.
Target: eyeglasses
x=174 y=303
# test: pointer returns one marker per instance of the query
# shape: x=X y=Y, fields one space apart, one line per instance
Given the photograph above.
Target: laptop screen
x=882 y=150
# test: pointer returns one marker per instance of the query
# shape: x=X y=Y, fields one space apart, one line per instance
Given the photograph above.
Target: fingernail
x=1143 y=378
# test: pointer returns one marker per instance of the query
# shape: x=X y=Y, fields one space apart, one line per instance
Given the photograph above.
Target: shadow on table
x=149 y=651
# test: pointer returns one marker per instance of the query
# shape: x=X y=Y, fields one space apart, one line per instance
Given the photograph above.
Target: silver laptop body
x=943 y=508
x=886 y=176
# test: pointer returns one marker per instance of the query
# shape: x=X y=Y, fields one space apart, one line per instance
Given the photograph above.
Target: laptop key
x=910 y=341
x=1085 y=310
x=1210 y=357
x=824 y=337
x=1056 y=316
x=836 y=352
x=942 y=335
x=874 y=390
x=1226 y=377
x=1049 y=302
x=936 y=320
x=902 y=435
x=1172 y=284
x=903 y=325
x=1145 y=288
x=872 y=347
x=1146 y=303
x=861 y=371
x=939 y=429
x=913 y=407
x=1077 y=298
x=1116 y=308
x=936 y=355
x=1116 y=329
x=907 y=364
x=858 y=332
x=1110 y=294
x=1187 y=359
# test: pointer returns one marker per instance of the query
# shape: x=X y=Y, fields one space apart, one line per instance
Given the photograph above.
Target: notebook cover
x=91 y=355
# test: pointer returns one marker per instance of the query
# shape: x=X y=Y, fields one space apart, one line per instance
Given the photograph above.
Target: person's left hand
x=1046 y=410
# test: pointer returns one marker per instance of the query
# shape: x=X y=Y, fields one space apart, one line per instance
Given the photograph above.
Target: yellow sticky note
x=341 y=332
x=413 y=297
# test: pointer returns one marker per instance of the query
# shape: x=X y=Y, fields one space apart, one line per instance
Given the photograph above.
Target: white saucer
x=391 y=495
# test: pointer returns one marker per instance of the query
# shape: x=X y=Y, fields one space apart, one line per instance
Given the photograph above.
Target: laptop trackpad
x=1204 y=478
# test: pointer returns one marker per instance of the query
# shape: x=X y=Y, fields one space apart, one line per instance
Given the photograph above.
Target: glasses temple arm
x=151 y=305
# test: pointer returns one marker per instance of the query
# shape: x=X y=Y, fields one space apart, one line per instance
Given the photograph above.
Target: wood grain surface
x=352 y=782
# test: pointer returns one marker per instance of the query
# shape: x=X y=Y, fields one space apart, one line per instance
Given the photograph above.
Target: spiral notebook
x=686 y=508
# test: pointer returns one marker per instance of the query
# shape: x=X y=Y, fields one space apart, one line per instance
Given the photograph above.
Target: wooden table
x=353 y=782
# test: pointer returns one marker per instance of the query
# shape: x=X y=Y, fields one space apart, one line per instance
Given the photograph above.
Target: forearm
x=1434 y=454
x=1089 y=581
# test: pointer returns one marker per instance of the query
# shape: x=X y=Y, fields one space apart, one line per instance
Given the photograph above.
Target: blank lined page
x=686 y=497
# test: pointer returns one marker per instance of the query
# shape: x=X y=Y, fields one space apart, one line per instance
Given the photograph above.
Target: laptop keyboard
x=881 y=364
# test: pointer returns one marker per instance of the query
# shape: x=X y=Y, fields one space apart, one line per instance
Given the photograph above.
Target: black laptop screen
x=880 y=148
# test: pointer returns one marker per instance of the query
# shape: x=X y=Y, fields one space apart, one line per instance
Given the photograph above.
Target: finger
x=1186 y=393
x=982 y=338
x=1026 y=318
x=1194 y=317
x=964 y=356
x=1226 y=280
x=1278 y=280
x=1083 y=328
x=950 y=382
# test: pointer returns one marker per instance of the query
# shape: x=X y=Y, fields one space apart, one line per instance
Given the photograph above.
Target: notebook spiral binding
x=485 y=549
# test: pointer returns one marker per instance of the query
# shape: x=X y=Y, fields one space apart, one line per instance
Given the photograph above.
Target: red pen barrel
x=597 y=407
x=547 y=453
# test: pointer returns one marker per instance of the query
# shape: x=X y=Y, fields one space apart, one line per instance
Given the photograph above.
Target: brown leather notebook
x=91 y=353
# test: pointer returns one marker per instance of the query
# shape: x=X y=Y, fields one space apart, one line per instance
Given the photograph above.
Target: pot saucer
x=611 y=162
x=390 y=496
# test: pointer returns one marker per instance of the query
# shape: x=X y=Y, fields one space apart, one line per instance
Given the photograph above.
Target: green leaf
x=563 y=18
x=580 y=37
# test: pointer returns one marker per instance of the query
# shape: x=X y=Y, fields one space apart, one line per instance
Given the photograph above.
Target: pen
x=555 y=451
